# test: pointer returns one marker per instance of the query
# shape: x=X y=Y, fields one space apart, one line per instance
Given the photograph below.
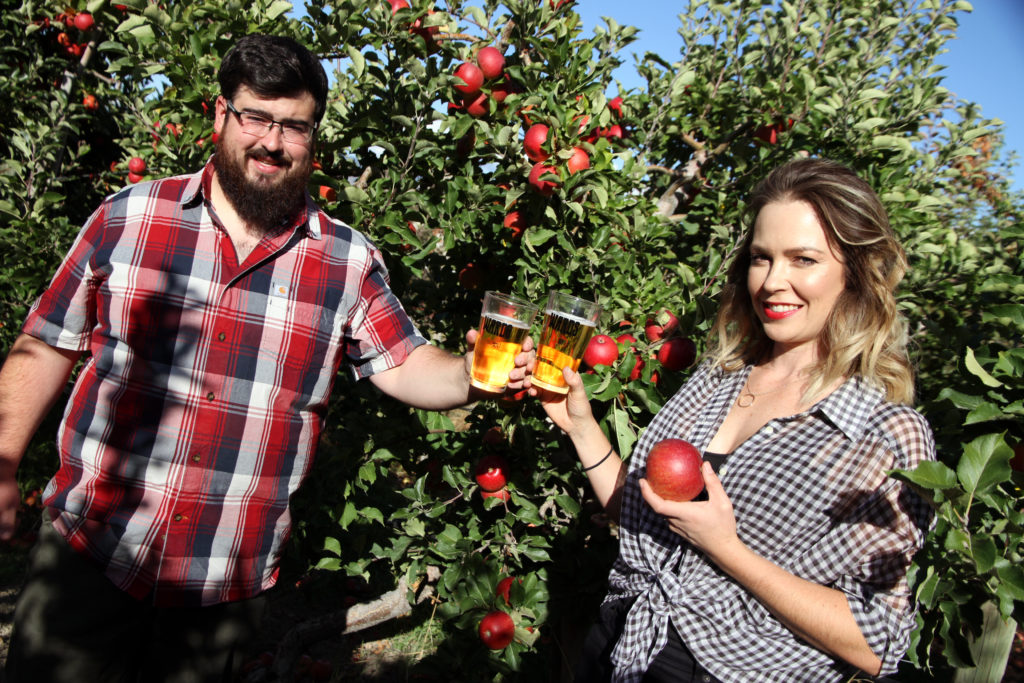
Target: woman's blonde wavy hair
x=865 y=334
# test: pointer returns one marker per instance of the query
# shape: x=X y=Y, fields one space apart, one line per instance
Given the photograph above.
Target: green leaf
x=278 y=8
x=984 y=464
x=930 y=475
x=975 y=369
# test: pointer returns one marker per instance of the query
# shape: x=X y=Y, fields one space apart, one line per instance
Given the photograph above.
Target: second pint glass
x=504 y=323
x=569 y=323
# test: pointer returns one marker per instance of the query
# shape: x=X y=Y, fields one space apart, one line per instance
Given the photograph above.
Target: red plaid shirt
x=199 y=408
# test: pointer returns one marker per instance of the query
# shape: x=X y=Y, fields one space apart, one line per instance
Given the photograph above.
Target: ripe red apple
x=673 y=470
x=134 y=177
x=545 y=187
x=638 y=366
x=476 y=105
x=504 y=587
x=490 y=473
x=90 y=102
x=515 y=222
x=397 y=5
x=533 y=141
x=137 y=165
x=328 y=193
x=578 y=161
x=662 y=325
x=615 y=104
x=83 y=21
x=471 y=76
x=601 y=350
x=677 y=353
x=491 y=61
x=501 y=494
x=497 y=630
x=767 y=134
x=503 y=89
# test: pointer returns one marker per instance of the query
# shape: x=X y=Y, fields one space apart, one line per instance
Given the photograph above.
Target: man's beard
x=263 y=206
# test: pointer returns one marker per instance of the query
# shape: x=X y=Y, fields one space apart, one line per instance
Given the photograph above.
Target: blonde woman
x=792 y=566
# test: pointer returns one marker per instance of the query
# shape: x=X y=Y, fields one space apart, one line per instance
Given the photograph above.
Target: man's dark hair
x=273 y=66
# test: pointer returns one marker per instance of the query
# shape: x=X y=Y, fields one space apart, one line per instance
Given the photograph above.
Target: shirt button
x=705 y=678
x=209 y=396
x=195 y=457
x=177 y=518
x=221 y=336
x=767 y=430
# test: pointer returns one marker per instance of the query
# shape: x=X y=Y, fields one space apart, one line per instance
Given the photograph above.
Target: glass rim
x=512 y=299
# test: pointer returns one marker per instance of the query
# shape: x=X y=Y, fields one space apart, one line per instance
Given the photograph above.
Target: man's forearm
x=430 y=378
x=31 y=379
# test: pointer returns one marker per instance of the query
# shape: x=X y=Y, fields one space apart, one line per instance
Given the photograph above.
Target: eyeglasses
x=259 y=126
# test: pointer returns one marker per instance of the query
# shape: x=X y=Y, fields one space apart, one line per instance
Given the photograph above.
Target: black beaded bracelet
x=606 y=456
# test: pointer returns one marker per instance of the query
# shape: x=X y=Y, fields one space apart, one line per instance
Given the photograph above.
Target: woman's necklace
x=747 y=397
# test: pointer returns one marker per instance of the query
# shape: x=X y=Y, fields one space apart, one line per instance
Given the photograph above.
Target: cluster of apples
x=538 y=140
x=488 y=67
x=71 y=21
x=674 y=351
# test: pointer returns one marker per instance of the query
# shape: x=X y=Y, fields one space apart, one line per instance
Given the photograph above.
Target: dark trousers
x=72 y=625
x=674 y=664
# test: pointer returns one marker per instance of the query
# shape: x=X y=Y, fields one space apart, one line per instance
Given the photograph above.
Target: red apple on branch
x=542 y=185
x=673 y=470
x=497 y=630
x=490 y=473
x=533 y=142
x=578 y=161
x=83 y=21
x=677 y=353
x=601 y=350
x=137 y=165
x=638 y=366
x=491 y=62
x=471 y=76
x=662 y=325
x=515 y=222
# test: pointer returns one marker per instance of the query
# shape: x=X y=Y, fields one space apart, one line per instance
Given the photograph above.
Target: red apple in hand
x=601 y=350
x=497 y=630
x=673 y=470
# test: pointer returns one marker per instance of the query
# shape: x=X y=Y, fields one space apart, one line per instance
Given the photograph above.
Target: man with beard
x=213 y=311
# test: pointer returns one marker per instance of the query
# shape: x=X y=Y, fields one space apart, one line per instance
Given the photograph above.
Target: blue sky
x=984 y=64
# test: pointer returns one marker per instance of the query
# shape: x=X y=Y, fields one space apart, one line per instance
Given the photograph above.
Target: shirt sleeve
x=881 y=534
x=380 y=335
x=64 y=315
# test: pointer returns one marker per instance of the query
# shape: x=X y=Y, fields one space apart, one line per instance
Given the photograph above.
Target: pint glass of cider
x=569 y=323
x=504 y=323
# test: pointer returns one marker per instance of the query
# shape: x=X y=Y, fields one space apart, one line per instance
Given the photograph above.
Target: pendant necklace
x=747 y=397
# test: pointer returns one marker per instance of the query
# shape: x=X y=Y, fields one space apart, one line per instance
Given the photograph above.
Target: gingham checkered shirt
x=200 y=404
x=811 y=494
